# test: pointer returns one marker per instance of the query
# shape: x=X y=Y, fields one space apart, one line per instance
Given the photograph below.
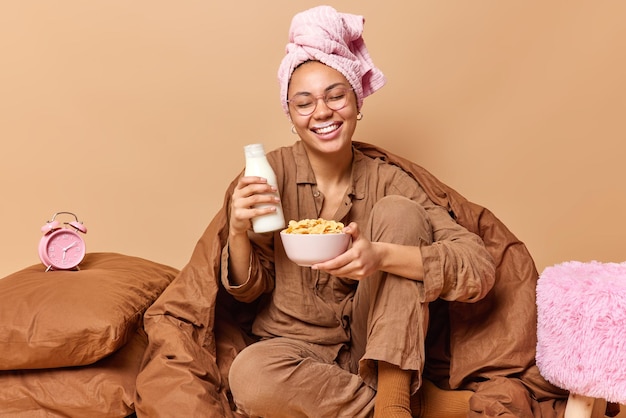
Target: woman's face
x=325 y=130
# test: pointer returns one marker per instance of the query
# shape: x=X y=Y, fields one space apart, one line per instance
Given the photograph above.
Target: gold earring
x=293 y=130
x=359 y=116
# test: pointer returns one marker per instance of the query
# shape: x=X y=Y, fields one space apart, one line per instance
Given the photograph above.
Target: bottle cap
x=254 y=150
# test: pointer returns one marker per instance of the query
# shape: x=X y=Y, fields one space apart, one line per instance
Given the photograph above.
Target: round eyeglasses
x=305 y=103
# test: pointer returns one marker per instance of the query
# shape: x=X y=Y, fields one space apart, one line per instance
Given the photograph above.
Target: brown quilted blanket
x=195 y=329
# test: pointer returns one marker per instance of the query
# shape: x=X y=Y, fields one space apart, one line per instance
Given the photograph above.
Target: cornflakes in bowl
x=312 y=241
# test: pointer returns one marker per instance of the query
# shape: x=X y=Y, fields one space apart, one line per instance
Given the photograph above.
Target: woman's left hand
x=362 y=259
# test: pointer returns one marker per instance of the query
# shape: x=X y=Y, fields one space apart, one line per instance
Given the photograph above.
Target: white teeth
x=326 y=129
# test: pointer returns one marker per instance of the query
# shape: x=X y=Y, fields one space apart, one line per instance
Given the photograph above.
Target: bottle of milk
x=257 y=165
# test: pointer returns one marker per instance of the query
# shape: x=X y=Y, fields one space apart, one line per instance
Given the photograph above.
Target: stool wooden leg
x=579 y=406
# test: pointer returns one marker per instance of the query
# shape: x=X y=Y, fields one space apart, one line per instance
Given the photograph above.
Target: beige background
x=133 y=114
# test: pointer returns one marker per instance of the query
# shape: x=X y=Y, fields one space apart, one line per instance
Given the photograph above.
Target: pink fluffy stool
x=581 y=332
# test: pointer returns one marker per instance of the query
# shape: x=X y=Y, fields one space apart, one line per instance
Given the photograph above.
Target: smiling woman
x=354 y=333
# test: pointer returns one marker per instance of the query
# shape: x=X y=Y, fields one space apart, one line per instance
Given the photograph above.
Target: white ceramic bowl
x=308 y=249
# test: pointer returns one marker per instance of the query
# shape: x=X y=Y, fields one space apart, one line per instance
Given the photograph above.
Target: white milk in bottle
x=257 y=165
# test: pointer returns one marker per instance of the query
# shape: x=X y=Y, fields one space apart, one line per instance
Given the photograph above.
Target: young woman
x=344 y=338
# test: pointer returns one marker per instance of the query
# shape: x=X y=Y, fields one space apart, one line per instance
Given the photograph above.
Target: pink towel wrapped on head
x=335 y=39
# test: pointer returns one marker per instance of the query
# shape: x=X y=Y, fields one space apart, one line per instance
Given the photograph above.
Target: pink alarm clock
x=62 y=248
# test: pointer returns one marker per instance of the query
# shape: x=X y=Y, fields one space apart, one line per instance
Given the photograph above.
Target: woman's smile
x=326 y=128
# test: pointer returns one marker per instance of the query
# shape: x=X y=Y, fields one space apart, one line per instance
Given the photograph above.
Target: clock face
x=64 y=249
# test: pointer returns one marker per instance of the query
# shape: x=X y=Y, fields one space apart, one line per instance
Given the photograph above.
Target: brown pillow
x=73 y=318
x=102 y=390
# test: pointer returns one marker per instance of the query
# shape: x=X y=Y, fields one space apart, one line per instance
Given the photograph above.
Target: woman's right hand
x=249 y=192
